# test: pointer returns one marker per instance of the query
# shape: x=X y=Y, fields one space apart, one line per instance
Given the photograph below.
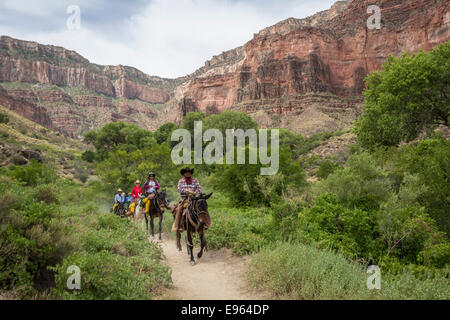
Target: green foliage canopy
x=410 y=94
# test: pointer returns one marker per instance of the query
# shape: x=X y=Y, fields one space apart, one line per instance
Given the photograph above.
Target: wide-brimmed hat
x=137 y=181
x=119 y=190
x=151 y=174
x=187 y=169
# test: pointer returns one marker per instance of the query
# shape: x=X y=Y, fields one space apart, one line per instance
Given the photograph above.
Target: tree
x=163 y=134
x=230 y=120
x=409 y=95
x=119 y=135
x=190 y=118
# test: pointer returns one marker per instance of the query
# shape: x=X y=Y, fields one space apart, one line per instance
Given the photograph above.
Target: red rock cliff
x=330 y=52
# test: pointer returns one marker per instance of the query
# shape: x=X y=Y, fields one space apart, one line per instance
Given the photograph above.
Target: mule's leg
x=152 y=226
x=160 y=225
x=202 y=241
x=191 y=246
x=146 y=222
x=179 y=240
x=187 y=244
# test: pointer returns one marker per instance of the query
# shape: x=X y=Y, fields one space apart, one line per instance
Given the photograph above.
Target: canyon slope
x=302 y=74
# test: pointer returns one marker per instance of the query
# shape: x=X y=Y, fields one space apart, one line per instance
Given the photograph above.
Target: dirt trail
x=217 y=275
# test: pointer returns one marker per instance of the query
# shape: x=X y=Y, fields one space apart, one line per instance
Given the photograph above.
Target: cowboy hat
x=119 y=190
x=137 y=181
x=151 y=174
x=187 y=169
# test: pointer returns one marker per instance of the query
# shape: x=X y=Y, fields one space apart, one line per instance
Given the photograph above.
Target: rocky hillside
x=302 y=74
x=61 y=90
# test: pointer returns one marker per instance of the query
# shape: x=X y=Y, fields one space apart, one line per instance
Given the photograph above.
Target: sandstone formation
x=329 y=53
x=302 y=74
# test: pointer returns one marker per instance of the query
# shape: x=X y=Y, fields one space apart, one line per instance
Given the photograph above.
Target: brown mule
x=156 y=210
x=195 y=220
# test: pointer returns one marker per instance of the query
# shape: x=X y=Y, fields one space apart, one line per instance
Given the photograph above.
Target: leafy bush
x=436 y=256
x=47 y=194
x=4 y=118
x=245 y=231
x=105 y=275
x=293 y=271
x=363 y=184
x=33 y=174
x=244 y=184
x=429 y=162
x=88 y=156
x=122 y=168
x=31 y=238
x=331 y=225
x=326 y=168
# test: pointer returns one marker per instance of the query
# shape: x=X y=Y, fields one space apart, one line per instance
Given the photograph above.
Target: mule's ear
x=209 y=195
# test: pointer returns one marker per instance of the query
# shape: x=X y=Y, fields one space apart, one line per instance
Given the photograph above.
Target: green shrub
x=31 y=238
x=363 y=184
x=436 y=256
x=88 y=156
x=245 y=231
x=332 y=225
x=47 y=194
x=33 y=174
x=406 y=286
x=326 y=168
x=4 y=118
x=244 y=184
x=293 y=271
x=106 y=275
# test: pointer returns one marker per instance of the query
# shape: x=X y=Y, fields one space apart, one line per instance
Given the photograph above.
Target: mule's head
x=201 y=206
x=162 y=195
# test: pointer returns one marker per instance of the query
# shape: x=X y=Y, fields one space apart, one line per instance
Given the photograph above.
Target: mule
x=157 y=206
x=156 y=209
x=194 y=221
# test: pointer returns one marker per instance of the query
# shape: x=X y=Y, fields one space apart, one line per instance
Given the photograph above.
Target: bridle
x=194 y=212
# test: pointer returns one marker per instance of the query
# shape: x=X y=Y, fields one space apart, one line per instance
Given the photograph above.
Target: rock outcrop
x=330 y=53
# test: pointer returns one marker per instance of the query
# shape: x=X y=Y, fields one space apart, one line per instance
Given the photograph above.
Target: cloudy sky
x=168 y=38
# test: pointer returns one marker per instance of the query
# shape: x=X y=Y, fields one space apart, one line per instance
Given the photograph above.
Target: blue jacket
x=119 y=198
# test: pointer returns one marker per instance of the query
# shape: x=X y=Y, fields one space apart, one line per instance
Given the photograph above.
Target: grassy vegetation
x=115 y=258
x=293 y=271
x=49 y=224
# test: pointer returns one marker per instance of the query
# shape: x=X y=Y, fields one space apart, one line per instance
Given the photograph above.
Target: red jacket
x=137 y=191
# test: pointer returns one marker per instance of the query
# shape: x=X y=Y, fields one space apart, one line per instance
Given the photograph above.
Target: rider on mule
x=151 y=185
x=187 y=186
x=137 y=190
x=118 y=198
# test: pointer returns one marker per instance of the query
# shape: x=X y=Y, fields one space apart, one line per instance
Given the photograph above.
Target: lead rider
x=186 y=186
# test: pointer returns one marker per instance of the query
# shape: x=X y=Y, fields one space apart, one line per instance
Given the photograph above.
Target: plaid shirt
x=183 y=187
